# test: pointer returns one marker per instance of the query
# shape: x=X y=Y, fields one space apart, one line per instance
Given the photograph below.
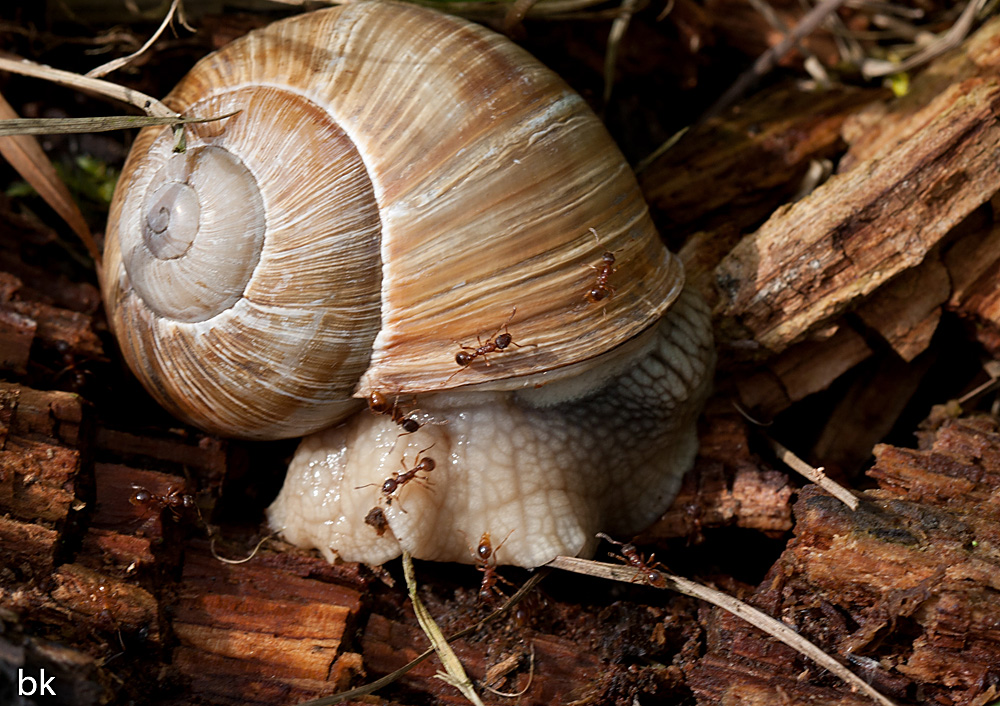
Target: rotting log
x=852 y=235
x=728 y=486
x=903 y=590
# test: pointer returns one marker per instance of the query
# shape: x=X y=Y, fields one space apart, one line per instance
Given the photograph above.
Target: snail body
x=395 y=183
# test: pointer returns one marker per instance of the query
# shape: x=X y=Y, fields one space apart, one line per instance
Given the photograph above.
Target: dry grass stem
x=774 y=628
x=874 y=68
x=816 y=475
x=618 y=28
x=455 y=673
x=30 y=161
x=147 y=104
x=388 y=679
x=121 y=61
x=104 y=123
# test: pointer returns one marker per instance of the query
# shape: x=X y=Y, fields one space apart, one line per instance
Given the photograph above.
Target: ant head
x=485 y=549
x=377 y=402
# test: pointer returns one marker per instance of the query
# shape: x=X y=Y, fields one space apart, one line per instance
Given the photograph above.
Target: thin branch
x=121 y=61
x=770 y=58
x=816 y=475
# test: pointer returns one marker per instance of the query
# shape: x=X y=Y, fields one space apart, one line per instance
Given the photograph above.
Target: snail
x=395 y=185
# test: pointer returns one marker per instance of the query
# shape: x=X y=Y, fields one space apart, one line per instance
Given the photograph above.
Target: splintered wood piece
x=906 y=311
x=52 y=417
x=815 y=258
x=974 y=266
x=903 y=589
x=731 y=173
x=801 y=370
x=249 y=633
x=27 y=549
x=16 y=334
x=90 y=598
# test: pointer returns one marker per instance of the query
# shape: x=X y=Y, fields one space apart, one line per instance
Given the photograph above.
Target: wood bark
x=903 y=590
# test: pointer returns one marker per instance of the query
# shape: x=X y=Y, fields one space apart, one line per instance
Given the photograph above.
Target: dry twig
x=816 y=475
x=121 y=61
x=775 y=628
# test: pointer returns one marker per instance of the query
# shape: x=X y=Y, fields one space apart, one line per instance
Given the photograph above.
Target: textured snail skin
x=550 y=474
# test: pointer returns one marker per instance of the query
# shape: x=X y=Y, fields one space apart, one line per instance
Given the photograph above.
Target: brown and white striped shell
x=395 y=183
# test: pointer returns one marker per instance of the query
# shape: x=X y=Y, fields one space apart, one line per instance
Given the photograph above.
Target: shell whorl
x=462 y=177
x=179 y=258
x=257 y=319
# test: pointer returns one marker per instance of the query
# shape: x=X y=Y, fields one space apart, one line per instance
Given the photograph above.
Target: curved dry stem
x=147 y=104
x=388 y=679
x=774 y=628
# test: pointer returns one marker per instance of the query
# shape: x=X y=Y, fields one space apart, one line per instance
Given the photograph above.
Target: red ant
x=485 y=557
x=392 y=484
x=634 y=558
x=174 y=499
x=601 y=289
x=494 y=343
x=378 y=404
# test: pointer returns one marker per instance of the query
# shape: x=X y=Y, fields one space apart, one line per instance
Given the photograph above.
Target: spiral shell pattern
x=395 y=183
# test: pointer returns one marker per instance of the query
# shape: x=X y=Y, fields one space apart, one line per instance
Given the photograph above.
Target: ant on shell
x=494 y=343
x=397 y=480
x=650 y=568
x=602 y=289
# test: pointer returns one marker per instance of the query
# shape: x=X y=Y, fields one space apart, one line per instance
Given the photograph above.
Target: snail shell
x=395 y=183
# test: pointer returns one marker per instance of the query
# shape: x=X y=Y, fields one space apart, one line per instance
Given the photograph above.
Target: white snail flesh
x=396 y=184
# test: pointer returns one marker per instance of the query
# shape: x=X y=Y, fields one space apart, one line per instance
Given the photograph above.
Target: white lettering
x=43 y=685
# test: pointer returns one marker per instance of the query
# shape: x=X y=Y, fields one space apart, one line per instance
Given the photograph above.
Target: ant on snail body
x=486 y=560
x=378 y=404
x=391 y=486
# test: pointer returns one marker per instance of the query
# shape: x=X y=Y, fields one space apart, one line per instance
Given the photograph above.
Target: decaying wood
x=728 y=486
x=816 y=258
x=903 y=589
x=728 y=175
